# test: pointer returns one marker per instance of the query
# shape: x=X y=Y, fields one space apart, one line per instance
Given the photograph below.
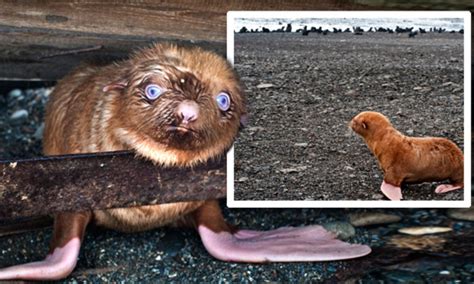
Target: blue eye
x=223 y=101
x=153 y=91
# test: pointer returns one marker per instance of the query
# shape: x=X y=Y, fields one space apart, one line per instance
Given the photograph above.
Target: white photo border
x=232 y=203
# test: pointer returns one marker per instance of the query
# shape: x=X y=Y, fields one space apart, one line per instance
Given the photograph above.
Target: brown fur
x=96 y=109
x=406 y=159
x=68 y=226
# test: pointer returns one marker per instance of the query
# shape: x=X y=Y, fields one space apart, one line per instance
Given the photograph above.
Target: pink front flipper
x=443 y=188
x=57 y=265
x=392 y=192
x=288 y=244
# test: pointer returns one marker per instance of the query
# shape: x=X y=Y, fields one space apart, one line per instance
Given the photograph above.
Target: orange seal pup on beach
x=406 y=159
x=176 y=106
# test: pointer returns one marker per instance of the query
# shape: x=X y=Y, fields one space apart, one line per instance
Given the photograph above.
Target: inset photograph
x=352 y=106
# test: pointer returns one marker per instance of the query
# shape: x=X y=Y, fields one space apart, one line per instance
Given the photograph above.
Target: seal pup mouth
x=180 y=129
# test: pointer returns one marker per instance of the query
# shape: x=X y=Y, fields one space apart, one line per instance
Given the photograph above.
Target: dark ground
x=298 y=146
x=169 y=255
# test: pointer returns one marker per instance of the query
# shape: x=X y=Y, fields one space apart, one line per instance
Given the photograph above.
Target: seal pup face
x=369 y=122
x=178 y=105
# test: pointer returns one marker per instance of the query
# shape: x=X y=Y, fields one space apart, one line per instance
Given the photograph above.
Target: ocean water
x=343 y=23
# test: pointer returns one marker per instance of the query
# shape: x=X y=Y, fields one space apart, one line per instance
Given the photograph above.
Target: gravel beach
x=304 y=90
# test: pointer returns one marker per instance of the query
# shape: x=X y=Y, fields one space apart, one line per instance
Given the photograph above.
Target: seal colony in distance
x=406 y=159
x=176 y=106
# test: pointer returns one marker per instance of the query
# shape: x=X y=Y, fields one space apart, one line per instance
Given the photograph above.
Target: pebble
x=19 y=115
x=15 y=93
x=255 y=128
x=372 y=218
x=447 y=84
x=418 y=231
x=465 y=214
x=343 y=230
x=265 y=86
x=351 y=93
x=293 y=170
x=39 y=132
x=301 y=144
x=377 y=196
x=444 y=272
x=426 y=242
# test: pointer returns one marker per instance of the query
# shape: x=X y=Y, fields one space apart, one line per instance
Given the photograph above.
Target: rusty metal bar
x=52 y=184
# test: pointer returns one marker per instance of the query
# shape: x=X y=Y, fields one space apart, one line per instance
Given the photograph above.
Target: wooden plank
x=37 y=53
x=184 y=19
x=47 y=185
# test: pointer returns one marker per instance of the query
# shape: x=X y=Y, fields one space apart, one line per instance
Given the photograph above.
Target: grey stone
x=343 y=230
x=372 y=218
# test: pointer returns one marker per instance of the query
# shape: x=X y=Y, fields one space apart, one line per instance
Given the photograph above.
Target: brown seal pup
x=406 y=159
x=175 y=106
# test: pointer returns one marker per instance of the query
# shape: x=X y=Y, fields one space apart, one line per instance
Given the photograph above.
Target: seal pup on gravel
x=176 y=106
x=406 y=159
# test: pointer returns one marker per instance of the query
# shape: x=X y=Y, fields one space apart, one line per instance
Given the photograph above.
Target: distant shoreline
x=447 y=24
x=305 y=30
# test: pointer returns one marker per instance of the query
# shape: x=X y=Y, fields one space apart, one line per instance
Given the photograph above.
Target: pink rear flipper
x=288 y=244
x=391 y=192
x=443 y=188
x=57 y=265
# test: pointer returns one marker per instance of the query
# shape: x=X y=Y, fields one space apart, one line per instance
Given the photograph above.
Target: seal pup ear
x=118 y=85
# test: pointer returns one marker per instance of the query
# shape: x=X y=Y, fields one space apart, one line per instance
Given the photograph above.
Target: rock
x=423 y=243
x=15 y=93
x=377 y=196
x=39 y=132
x=265 y=86
x=255 y=128
x=47 y=92
x=465 y=214
x=372 y=218
x=418 y=231
x=343 y=230
x=351 y=93
x=243 y=179
x=301 y=144
x=19 y=116
x=448 y=84
x=293 y=170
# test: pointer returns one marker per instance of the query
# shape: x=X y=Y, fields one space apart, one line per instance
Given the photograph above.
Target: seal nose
x=188 y=111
